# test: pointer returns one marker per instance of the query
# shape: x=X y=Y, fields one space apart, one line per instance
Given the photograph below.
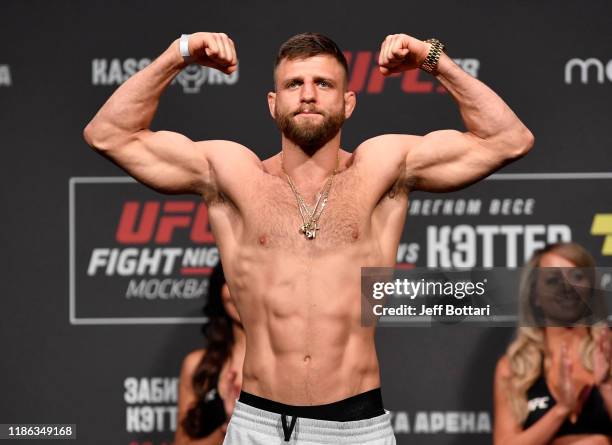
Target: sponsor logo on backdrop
x=602 y=226
x=501 y=221
x=441 y=422
x=150 y=404
x=192 y=79
x=365 y=77
x=137 y=255
x=591 y=70
x=5 y=76
x=463 y=242
x=155 y=222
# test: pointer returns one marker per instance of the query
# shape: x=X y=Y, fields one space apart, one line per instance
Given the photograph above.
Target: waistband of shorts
x=358 y=407
x=315 y=430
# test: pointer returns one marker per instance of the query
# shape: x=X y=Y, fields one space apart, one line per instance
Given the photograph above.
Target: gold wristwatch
x=430 y=64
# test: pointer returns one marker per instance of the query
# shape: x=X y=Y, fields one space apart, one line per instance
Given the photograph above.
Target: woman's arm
x=506 y=428
x=602 y=358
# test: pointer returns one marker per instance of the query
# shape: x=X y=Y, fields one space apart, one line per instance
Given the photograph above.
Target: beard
x=309 y=136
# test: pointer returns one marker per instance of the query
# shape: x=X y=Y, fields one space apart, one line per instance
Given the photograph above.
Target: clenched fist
x=215 y=50
x=400 y=52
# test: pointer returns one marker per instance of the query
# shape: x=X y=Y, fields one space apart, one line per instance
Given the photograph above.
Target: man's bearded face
x=309 y=127
x=310 y=100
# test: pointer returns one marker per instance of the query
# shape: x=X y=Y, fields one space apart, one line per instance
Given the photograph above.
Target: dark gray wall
x=71 y=342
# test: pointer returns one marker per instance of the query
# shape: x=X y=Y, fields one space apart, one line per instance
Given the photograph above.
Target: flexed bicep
x=167 y=162
x=448 y=160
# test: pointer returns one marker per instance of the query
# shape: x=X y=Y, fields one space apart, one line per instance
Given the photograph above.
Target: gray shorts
x=254 y=426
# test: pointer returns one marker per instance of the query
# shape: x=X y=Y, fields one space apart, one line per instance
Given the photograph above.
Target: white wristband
x=184 y=47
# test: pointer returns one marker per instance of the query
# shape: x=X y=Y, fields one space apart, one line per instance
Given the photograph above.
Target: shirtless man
x=311 y=370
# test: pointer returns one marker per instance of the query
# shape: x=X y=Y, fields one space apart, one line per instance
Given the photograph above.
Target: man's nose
x=308 y=92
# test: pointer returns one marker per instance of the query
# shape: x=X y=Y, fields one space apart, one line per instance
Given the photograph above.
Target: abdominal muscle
x=302 y=316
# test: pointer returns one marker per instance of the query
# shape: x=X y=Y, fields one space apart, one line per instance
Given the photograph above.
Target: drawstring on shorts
x=287 y=430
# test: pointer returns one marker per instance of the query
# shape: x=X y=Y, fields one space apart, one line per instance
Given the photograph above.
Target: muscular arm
x=448 y=159
x=165 y=161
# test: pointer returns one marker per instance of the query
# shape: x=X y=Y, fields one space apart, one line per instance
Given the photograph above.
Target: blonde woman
x=554 y=384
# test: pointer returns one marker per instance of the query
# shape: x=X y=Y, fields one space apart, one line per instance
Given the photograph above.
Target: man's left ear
x=350 y=100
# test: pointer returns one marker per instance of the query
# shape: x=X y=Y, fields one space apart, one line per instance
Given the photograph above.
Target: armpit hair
x=402 y=185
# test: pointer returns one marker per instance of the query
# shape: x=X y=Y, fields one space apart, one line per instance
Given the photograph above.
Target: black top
x=593 y=418
x=212 y=413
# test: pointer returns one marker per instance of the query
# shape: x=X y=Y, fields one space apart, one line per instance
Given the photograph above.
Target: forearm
x=484 y=113
x=541 y=432
x=132 y=106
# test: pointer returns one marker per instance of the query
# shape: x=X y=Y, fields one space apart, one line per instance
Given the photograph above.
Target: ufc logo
x=537 y=403
x=364 y=75
x=141 y=223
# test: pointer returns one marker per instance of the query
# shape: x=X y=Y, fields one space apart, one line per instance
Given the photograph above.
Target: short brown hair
x=310 y=44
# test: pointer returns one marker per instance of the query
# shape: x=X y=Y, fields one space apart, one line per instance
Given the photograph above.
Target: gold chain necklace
x=310 y=217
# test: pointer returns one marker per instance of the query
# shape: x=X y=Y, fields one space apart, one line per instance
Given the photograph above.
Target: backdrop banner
x=104 y=279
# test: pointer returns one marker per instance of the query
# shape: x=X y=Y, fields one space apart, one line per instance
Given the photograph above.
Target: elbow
x=521 y=144
x=528 y=141
x=88 y=135
x=93 y=136
x=102 y=136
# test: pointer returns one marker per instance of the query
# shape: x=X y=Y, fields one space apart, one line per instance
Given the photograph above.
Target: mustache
x=306 y=109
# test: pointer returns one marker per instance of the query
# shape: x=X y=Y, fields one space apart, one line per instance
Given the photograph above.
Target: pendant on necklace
x=309 y=229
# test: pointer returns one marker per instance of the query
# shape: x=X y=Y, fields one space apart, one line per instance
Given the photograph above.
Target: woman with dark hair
x=554 y=384
x=211 y=378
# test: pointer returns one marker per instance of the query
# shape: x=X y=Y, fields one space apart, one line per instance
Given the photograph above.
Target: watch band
x=430 y=64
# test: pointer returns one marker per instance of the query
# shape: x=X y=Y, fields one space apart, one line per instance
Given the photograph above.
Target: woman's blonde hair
x=526 y=352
